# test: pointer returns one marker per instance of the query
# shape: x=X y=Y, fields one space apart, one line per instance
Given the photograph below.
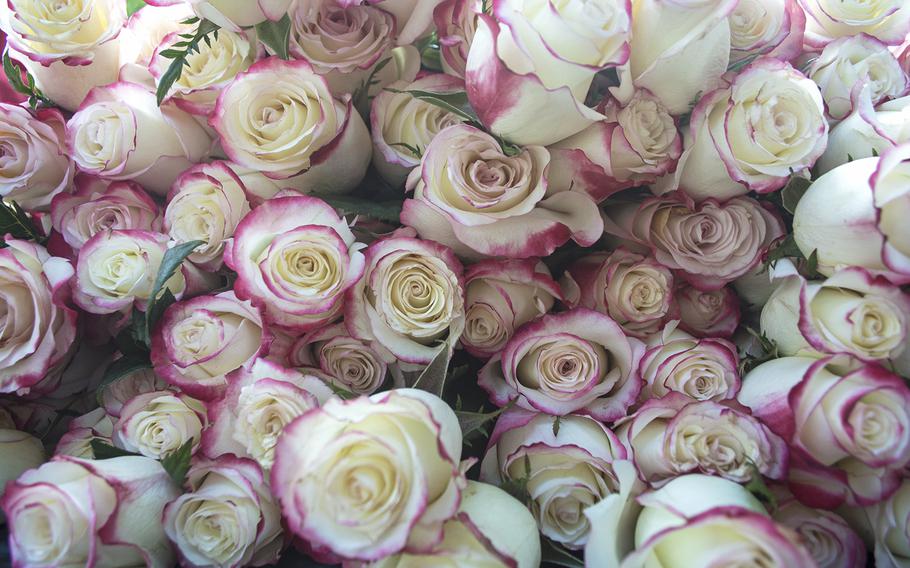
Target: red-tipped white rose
x=827 y=537
x=576 y=361
x=234 y=14
x=888 y=527
x=82 y=431
x=887 y=20
x=867 y=131
x=114 y=395
x=708 y=314
x=157 y=424
x=350 y=362
x=766 y=27
x=456 y=21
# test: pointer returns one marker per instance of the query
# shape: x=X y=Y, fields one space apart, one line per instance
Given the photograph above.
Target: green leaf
x=556 y=424
x=793 y=192
x=175 y=69
x=738 y=66
x=172 y=261
x=553 y=553
x=16 y=222
x=455 y=102
x=433 y=378
x=769 y=349
x=518 y=487
x=389 y=211
x=177 y=463
x=14 y=71
x=418 y=153
x=361 y=97
x=785 y=248
x=276 y=36
x=759 y=490
x=812 y=265
x=473 y=423
x=105 y=451
x=133 y=6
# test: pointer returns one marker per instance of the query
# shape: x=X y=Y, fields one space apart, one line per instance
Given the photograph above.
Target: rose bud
x=633 y=289
x=709 y=244
x=500 y=297
x=206 y=203
x=350 y=363
x=848 y=62
x=68 y=50
x=117 y=269
x=233 y=14
x=120 y=133
x=295 y=258
x=257 y=405
x=410 y=298
x=73 y=512
x=694 y=520
x=575 y=361
x=707 y=314
x=852 y=312
x=867 y=131
x=207 y=71
x=157 y=424
x=526 y=77
x=332 y=146
x=403 y=126
x=848 y=431
x=827 y=537
x=886 y=526
x=456 y=21
x=144 y=32
x=567 y=470
x=636 y=144
x=82 y=431
x=231 y=496
x=701 y=369
x=21 y=452
x=411 y=442
x=491 y=528
x=39 y=327
x=766 y=27
x=678 y=50
x=99 y=205
x=199 y=341
x=480 y=201
x=674 y=435
x=888 y=21
x=856 y=215
x=114 y=395
x=37 y=165
x=768 y=124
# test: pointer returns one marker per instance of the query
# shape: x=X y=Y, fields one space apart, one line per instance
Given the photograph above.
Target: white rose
x=867 y=132
x=890 y=526
x=766 y=27
x=827 y=537
x=157 y=424
x=887 y=20
x=349 y=362
x=116 y=394
x=233 y=14
x=143 y=33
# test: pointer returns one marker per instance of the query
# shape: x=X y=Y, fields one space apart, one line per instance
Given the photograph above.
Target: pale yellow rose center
x=564 y=367
x=264 y=411
x=484 y=327
x=417 y=296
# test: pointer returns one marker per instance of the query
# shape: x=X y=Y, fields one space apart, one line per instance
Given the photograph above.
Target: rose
x=117 y=269
x=116 y=394
x=701 y=369
x=887 y=20
x=566 y=471
x=633 y=289
x=381 y=474
x=694 y=520
x=827 y=537
x=413 y=18
x=82 y=431
x=21 y=452
x=120 y=133
x=492 y=528
x=634 y=145
x=674 y=435
x=753 y=135
x=855 y=215
x=708 y=314
x=851 y=312
x=295 y=258
x=77 y=512
x=766 y=27
x=36 y=162
x=526 y=53
x=331 y=144
x=206 y=203
x=199 y=341
x=39 y=328
x=867 y=131
x=678 y=49
x=144 y=32
x=403 y=126
x=351 y=364
x=500 y=297
x=230 y=496
x=343 y=44
x=848 y=430
x=98 y=205
x=480 y=201
x=207 y=71
x=233 y=14
x=257 y=405
x=410 y=297
x=456 y=21
x=157 y=424
x=68 y=48
x=709 y=244
x=889 y=523
x=575 y=361
x=848 y=62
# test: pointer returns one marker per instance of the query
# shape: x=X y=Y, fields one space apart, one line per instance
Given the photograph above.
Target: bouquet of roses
x=476 y=283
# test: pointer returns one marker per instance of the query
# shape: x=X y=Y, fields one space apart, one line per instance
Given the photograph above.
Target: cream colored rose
x=851 y=61
x=889 y=522
x=36 y=162
x=349 y=362
x=159 y=423
x=206 y=203
x=827 y=537
x=21 y=452
x=82 y=431
x=867 y=132
x=887 y=20
x=143 y=33
x=367 y=477
x=766 y=27
x=227 y=518
x=258 y=404
x=456 y=21
x=117 y=268
x=236 y=14
x=708 y=313
x=114 y=395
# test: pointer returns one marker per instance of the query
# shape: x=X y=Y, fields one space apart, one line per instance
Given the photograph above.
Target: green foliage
x=14 y=71
x=177 y=463
x=178 y=53
x=15 y=221
x=276 y=36
x=133 y=6
x=104 y=451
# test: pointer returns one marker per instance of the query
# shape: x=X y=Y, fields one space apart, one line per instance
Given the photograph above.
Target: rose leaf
x=276 y=36
x=553 y=553
x=105 y=451
x=177 y=463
